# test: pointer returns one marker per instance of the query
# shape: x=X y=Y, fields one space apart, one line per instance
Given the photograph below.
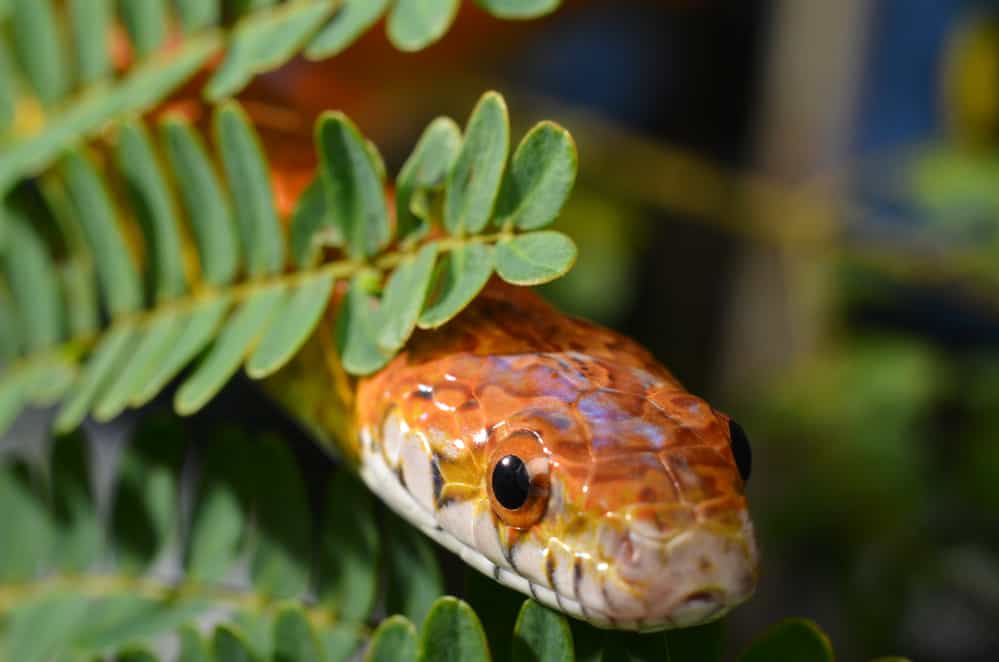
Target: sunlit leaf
x=248 y=177
x=204 y=201
x=403 y=299
x=356 y=329
x=110 y=354
x=199 y=327
x=520 y=8
x=474 y=180
x=234 y=341
x=299 y=314
x=415 y=24
x=145 y=21
x=535 y=257
x=39 y=48
x=152 y=205
x=425 y=170
x=354 y=187
x=34 y=284
x=539 y=179
x=265 y=40
x=460 y=276
x=350 y=21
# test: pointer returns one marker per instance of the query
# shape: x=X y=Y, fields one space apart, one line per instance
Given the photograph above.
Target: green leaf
x=22 y=556
x=535 y=258
x=136 y=655
x=519 y=8
x=153 y=207
x=354 y=186
x=219 y=520
x=107 y=358
x=347 y=577
x=356 y=328
x=79 y=536
x=199 y=329
x=91 y=24
x=204 y=201
x=474 y=181
x=37 y=43
x=265 y=40
x=300 y=313
x=281 y=558
x=791 y=640
x=34 y=284
x=250 y=185
x=15 y=388
x=404 y=296
x=10 y=343
x=452 y=632
x=152 y=349
x=234 y=341
x=228 y=645
x=460 y=276
x=312 y=225
x=144 y=86
x=8 y=98
x=349 y=23
x=294 y=638
x=702 y=643
x=146 y=516
x=414 y=579
x=539 y=179
x=192 y=647
x=79 y=296
x=197 y=14
x=341 y=643
x=415 y=24
x=497 y=607
x=119 y=278
x=542 y=634
x=394 y=640
x=145 y=21
x=425 y=170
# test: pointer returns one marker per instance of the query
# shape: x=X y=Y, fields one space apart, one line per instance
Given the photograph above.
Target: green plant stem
x=339 y=269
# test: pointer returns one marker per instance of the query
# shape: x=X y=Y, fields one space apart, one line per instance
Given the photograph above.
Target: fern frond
x=189 y=255
x=245 y=573
x=124 y=57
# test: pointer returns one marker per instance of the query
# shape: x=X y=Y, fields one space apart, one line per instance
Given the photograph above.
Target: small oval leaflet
x=535 y=258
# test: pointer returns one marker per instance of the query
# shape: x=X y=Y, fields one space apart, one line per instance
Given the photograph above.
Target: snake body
x=554 y=455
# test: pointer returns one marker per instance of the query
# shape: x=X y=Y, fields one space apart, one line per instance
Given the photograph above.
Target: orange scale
x=661 y=520
x=627 y=480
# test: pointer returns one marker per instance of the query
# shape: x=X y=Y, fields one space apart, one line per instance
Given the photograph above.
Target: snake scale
x=556 y=456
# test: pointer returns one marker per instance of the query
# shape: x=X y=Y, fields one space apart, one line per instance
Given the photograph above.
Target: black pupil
x=740 y=449
x=511 y=482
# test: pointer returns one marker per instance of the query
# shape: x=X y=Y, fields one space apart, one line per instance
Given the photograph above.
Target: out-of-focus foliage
x=125 y=57
x=244 y=573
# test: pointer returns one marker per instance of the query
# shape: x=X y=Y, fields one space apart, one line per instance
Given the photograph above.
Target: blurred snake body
x=553 y=455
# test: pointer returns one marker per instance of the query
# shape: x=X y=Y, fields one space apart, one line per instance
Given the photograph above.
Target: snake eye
x=518 y=479
x=511 y=482
x=739 y=443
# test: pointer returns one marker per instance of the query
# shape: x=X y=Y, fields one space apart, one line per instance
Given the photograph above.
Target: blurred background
x=795 y=205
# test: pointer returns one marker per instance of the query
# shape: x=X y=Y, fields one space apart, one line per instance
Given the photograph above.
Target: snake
x=556 y=456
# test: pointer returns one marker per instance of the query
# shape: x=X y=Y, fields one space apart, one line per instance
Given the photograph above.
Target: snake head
x=564 y=461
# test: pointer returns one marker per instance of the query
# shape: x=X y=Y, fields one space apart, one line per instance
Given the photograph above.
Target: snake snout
x=693 y=577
